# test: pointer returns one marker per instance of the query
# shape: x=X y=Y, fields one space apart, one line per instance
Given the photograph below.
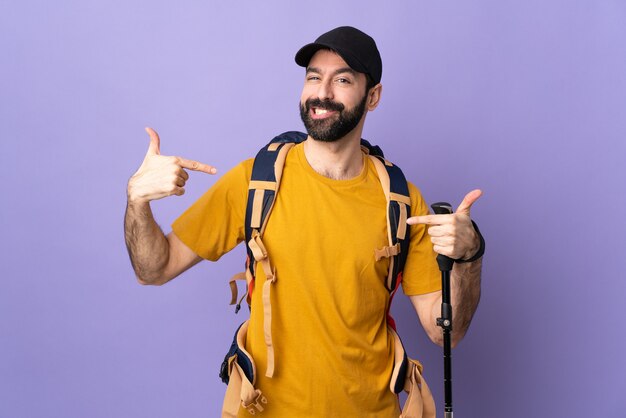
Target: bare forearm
x=465 y=295
x=453 y=235
x=147 y=245
x=155 y=257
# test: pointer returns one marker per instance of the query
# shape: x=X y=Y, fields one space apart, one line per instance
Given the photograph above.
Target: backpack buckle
x=387 y=252
x=256 y=404
x=257 y=247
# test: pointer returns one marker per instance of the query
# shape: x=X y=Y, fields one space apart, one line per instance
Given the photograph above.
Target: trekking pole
x=445 y=322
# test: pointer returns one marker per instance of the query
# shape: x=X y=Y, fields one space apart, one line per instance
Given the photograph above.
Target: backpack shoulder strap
x=264 y=182
x=396 y=192
x=263 y=187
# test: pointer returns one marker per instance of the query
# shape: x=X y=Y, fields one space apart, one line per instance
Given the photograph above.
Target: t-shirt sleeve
x=214 y=224
x=421 y=274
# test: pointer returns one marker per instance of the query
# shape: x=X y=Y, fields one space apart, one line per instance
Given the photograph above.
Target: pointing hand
x=453 y=235
x=160 y=176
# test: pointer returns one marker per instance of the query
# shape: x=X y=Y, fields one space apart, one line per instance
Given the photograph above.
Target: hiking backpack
x=238 y=370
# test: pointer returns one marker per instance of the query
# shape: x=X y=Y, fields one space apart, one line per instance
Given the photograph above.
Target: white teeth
x=320 y=111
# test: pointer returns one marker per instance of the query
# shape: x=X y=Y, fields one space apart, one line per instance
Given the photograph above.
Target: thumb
x=155 y=142
x=468 y=201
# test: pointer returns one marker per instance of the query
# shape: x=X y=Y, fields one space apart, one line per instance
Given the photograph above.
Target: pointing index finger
x=196 y=166
x=429 y=219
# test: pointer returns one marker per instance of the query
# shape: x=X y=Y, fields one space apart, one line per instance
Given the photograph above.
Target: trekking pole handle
x=443 y=208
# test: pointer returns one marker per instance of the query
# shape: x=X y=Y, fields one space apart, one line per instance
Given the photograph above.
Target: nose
x=325 y=91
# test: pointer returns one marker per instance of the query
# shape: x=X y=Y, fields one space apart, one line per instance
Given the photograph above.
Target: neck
x=338 y=160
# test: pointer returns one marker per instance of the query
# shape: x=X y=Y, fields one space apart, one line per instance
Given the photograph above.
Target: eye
x=343 y=80
x=312 y=78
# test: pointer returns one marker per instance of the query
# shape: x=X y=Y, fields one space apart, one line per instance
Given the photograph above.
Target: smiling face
x=334 y=97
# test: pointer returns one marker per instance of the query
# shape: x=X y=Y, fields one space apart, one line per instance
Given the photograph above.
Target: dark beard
x=328 y=130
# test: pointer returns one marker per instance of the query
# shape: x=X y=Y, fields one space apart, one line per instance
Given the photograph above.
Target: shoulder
x=244 y=167
x=419 y=206
x=418 y=203
x=232 y=186
x=238 y=174
x=414 y=192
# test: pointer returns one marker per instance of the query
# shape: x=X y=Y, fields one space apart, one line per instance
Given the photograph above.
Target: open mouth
x=319 y=113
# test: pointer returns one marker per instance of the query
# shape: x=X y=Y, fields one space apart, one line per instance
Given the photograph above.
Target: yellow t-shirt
x=333 y=352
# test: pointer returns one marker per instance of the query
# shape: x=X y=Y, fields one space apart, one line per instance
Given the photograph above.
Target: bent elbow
x=142 y=281
x=149 y=281
x=437 y=338
x=456 y=338
x=455 y=342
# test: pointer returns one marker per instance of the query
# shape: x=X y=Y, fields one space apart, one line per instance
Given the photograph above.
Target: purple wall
x=526 y=100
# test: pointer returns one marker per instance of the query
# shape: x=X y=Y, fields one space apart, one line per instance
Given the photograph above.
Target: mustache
x=323 y=104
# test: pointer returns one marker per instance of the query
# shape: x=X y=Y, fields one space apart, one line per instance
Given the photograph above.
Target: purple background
x=526 y=100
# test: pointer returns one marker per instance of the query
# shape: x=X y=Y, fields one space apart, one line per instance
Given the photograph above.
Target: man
x=334 y=353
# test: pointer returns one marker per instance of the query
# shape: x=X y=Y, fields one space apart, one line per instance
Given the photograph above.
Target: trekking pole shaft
x=446 y=316
x=445 y=322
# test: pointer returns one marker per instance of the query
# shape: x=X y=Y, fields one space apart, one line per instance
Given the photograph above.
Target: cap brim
x=304 y=55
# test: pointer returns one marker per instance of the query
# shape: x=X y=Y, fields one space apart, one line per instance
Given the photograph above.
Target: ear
x=373 y=97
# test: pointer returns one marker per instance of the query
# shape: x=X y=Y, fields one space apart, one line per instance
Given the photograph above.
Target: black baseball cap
x=357 y=49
